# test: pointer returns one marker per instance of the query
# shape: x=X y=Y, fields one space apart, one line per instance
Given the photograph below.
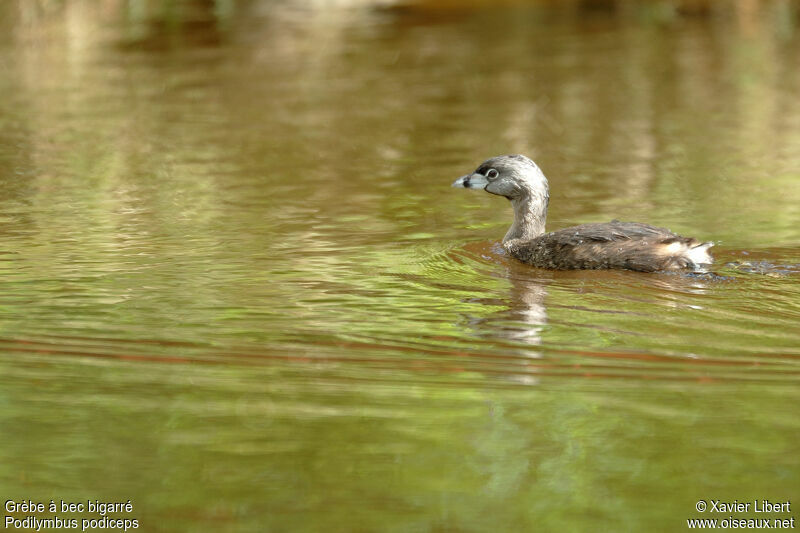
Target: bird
x=610 y=245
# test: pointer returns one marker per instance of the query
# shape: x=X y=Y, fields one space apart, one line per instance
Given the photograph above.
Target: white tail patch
x=696 y=255
x=699 y=254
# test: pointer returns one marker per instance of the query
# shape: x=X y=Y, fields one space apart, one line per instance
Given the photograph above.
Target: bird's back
x=627 y=245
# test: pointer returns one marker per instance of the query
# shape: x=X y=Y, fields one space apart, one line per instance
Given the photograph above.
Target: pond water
x=237 y=289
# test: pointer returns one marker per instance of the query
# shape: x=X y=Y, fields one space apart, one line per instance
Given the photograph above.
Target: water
x=237 y=289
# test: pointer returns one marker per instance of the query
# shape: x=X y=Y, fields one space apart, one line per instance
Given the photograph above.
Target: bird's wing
x=610 y=232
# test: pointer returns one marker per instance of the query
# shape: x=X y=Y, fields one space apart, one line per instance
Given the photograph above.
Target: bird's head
x=514 y=176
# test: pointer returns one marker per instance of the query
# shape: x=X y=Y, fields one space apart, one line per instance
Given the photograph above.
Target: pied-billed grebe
x=628 y=245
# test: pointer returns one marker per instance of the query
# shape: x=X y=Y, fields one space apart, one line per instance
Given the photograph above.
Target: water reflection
x=523 y=314
x=527 y=306
x=230 y=254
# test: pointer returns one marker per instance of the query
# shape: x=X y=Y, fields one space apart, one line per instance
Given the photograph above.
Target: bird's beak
x=471 y=181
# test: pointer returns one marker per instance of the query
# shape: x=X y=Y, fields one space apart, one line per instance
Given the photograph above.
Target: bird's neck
x=530 y=212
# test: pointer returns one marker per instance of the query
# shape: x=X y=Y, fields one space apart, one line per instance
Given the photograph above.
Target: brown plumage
x=625 y=245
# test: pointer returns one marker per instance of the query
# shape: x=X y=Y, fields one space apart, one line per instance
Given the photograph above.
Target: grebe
x=625 y=245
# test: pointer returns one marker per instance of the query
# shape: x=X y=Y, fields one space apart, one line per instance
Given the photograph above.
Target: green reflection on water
x=236 y=288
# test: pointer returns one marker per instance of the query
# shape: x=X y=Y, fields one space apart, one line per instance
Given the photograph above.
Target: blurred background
x=237 y=289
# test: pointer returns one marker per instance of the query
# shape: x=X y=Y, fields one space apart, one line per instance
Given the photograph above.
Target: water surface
x=236 y=288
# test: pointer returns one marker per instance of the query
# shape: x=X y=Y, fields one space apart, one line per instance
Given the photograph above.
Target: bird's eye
x=492 y=173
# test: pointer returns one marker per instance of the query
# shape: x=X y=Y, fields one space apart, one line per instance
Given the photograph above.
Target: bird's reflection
x=524 y=314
